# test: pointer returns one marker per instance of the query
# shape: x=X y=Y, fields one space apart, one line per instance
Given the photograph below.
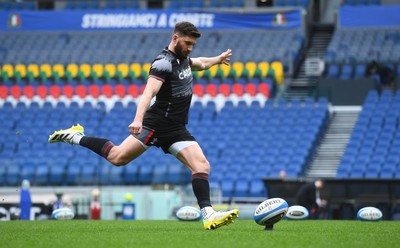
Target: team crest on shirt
x=185 y=73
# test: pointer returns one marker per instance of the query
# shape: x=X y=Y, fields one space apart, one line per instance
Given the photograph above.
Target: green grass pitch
x=163 y=234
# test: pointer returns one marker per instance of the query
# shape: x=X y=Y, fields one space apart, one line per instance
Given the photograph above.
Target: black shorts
x=162 y=132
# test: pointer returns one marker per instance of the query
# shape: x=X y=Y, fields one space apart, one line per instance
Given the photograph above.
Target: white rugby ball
x=297 y=212
x=369 y=214
x=188 y=213
x=270 y=211
x=63 y=214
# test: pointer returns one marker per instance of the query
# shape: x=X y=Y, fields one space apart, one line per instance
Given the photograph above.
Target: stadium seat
x=59 y=70
x=263 y=66
x=133 y=90
x=8 y=69
x=120 y=90
x=21 y=69
x=264 y=89
x=94 y=91
x=237 y=89
x=98 y=69
x=107 y=91
x=198 y=90
x=85 y=69
x=46 y=70
x=111 y=69
x=211 y=89
x=81 y=91
x=136 y=68
x=68 y=91
x=73 y=69
x=34 y=69
x=16 y=91
x=3 y=92
x=123 y=69
x=224 y=89
x=29 y=91
x=55 y=91
x=251 y=89
x=41 y=91
x=278 y=69
x=238 y=67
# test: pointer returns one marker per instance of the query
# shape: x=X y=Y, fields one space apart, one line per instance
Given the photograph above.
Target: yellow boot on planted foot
x=66 y=135
x=221 y=218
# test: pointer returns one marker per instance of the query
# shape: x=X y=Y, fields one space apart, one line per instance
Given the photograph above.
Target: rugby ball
x=63 y=214
x=270 y=211
x=297 y=212
x=188 y=213
x=369 y=214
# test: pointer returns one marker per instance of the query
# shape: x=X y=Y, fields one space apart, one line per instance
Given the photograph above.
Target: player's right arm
x=152 y=87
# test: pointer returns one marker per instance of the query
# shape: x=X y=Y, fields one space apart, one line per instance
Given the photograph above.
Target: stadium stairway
x=326 y=159
x=303 y=84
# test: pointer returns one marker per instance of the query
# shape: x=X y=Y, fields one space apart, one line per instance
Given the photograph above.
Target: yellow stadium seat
x=238 y=67
x=226 y=69
x=123 y=69
x=263 y=66
x=34 y=69
x=73 y=69
x=9 y=69
x=146 y=68
x=111 y=69
x=21 y=68
x=46 y=69
x=278 y=68
x=136 y=68
x=85 y=69
x=213 y=71
x=251 y=67
x=200 y=73
x=59 y=68
x=98 y=69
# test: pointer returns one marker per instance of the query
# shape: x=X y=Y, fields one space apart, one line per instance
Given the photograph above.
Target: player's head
x=184 y=38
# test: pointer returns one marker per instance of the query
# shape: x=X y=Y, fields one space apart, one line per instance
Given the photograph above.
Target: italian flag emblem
x=279 y=19
x=14 y=21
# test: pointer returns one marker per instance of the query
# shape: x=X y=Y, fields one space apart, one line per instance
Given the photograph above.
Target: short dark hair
x=187 y=29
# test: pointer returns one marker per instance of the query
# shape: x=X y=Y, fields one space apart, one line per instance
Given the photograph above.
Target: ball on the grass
x=270 y=211
x=188 y=213
x=369 y=214
x=63 y=214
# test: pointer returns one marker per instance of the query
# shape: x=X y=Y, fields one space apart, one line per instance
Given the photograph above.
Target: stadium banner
x=369 y=16
x=76 y=20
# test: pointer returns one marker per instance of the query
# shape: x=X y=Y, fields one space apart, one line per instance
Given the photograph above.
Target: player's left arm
x=204 y=63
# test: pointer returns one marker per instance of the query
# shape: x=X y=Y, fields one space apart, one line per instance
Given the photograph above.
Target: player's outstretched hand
x=225 y=57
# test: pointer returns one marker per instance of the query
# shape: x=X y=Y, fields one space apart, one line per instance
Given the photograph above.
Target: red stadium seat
x=133 y=90
x=264 y=89
x=16 y=91
x=237 y=89
x=29 y=91
x=120 y=90
x=68 y=91
x=251 y=89
x=107 y=91
x=3 y=91
x=55 y=91
x=41 y=91
x=211 y=89
x=224 y=89
x=81 y=91
x=94 y=91
x=198 y=89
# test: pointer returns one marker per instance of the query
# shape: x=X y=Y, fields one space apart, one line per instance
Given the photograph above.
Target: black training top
x=173 y=99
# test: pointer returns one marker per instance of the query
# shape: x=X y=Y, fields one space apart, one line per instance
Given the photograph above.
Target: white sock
x=207 y=211
x=76 y=138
